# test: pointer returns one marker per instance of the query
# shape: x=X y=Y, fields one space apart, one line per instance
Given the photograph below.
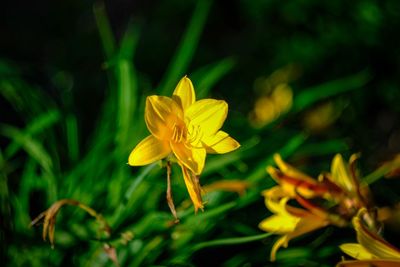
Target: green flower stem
x=377 y=174
x=231 y=241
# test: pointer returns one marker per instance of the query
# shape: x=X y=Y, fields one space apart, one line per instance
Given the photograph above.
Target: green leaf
x=38 y=125
x=184 y=54
x=231 y=241
x=35 y=150
x=127 y=100
x=29 y=144
x=208 y=76
x=292 y=145
x=104 y=27
x=312 y=95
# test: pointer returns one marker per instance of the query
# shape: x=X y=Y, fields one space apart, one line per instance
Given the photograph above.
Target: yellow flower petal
x=305 y=225
x=341 y=175
x=285 y=223
x=289 y=170
x=220 y=143
x=356 y=251
x=308 y=224
x=193 y=187
x=282 y=241
x=184 y=93
x=161 y=115
x=193 y=158
x=282 y=97
x=279 y=224
x=208 y=114
x=149 y=150
x=276 y=205
x=372 y=242
x=294 y=185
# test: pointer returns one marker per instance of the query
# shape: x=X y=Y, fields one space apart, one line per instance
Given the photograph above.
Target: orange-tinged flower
x=371 y=249
x=288 y=221
x=270 y=107
x=333 y=199
x=186 y=130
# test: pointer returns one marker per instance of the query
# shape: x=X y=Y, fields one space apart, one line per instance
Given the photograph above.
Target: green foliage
x=52 y=150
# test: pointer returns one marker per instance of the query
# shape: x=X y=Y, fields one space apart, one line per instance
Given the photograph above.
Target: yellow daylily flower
x=270 y=107
x=332 y=199
x=288 y=221
x=371 y=249
x=186 y=130
x=274 y=95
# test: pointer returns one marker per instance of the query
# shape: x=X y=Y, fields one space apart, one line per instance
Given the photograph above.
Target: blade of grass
x=127 y=87
x=230 y=241
x=291 y=146
x=185 y=51
x=223 y=160
x=34 y=149
x=28 y=100
x=208 y=76
x=377 y=174
x=147 y=249
x=30 y=145
x=323 y=148
x=123 y=208
x=39 y=124
x=106 y=35
x=309 y=96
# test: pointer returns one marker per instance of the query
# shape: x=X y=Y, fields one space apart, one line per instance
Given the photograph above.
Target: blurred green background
x=73 y=79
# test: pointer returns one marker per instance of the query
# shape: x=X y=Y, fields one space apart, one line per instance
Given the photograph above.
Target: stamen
x=179 y=133
x=195 y=133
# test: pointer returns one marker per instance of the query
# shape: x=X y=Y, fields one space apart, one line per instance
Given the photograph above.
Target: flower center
x=179 y=133
x=194 y=134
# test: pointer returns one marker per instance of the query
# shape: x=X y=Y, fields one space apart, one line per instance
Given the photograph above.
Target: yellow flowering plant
x=183 y=130
x=332 y=199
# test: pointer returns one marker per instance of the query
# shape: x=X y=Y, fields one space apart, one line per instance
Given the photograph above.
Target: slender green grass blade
x=243 y=152
x=123 y=208
x=104 y=27
x=127 y=98
x=377 y=174
x=150 y=247
x=208 y=76
x=309 y=96
x=323 y=148
x=35 y=150
x=181 y=60
x=30 y=145
x=39 y=124
x=231 y=241
x=294 y=143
